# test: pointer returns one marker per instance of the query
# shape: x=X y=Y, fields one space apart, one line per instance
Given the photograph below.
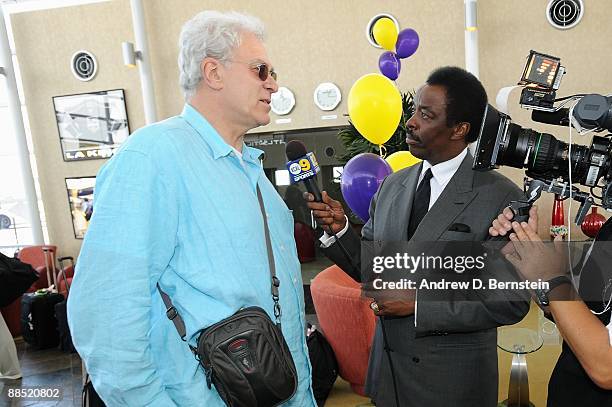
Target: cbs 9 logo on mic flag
x=302 y=168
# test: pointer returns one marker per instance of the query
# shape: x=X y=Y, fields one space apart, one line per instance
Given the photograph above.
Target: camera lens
x=517 y=146
x=541 y=153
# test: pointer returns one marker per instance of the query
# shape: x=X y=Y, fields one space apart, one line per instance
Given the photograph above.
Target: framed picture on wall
x=81 y=198
x=91 y=125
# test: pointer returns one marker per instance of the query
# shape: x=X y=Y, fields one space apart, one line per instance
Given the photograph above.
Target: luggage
x=324 y=365
x=38 y=322
x=65 y=340
x=15 y=279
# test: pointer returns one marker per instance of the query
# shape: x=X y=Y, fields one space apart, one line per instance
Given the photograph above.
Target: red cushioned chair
x=347 y=322
x=34 y=256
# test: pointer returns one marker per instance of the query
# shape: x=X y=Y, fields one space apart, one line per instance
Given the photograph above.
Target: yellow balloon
x=375 y=107
x=401 y=159
x=385 y=33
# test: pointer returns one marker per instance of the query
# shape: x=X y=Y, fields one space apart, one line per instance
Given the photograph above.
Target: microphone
x=559 y=118
x=303 y=167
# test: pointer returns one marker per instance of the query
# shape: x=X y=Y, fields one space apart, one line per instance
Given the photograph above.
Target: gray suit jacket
x=450 y=357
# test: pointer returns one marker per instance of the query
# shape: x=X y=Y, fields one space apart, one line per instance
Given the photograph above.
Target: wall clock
x=282 y=101
x=327 y=96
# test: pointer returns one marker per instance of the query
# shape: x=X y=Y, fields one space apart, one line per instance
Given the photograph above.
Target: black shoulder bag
x=16 y=277
x=245 y=355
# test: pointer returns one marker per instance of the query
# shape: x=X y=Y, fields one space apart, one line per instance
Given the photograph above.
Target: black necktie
x=420 y=205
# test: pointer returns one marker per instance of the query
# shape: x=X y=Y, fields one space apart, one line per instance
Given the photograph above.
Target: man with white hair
x=177 y=206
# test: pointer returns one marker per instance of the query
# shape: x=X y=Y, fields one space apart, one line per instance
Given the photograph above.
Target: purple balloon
x=360 y=180
x=407 y=43
x=389 y=65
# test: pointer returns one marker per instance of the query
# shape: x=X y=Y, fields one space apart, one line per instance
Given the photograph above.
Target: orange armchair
x=347 y=322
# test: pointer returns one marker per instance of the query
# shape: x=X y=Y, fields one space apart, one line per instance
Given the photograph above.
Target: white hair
x=211 y=34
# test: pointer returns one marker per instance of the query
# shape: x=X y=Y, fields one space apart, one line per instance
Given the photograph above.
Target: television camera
x=551 y=164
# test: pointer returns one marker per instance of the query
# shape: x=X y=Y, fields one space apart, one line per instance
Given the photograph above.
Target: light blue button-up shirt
x=176 y=206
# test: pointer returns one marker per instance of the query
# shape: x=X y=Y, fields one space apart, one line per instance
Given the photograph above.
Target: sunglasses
x=263 y=70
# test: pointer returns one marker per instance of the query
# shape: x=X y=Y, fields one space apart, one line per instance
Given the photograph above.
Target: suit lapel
x=401 y=205
x=456 y=196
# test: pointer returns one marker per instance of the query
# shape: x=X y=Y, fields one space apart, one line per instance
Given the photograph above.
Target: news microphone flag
x=303 y=168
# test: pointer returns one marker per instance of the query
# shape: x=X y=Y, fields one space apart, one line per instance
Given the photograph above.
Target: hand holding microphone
x=329 y=213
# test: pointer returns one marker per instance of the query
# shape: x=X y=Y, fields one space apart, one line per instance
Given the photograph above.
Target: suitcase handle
x=61 y=260
x=49 y=255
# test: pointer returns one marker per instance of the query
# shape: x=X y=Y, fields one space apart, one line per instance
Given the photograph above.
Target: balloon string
x=382 y=150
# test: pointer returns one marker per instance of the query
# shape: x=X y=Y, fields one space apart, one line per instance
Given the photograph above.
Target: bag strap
x=173 y=314
x=272 y=266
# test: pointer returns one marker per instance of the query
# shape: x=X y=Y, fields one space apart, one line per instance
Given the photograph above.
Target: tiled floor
x=49 y=368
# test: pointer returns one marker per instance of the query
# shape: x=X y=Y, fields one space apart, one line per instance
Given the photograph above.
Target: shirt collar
x=219 y=147
x=444 y=171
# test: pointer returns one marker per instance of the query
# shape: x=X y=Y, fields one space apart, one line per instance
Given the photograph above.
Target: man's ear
x=460 y=131
x=211 y=73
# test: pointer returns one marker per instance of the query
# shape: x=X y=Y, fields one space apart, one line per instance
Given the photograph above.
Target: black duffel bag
x=324 y=365
x=15 y=279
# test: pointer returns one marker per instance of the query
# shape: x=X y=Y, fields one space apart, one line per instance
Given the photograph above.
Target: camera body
x=551 y=165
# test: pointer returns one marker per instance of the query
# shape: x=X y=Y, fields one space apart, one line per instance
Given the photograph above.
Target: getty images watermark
x=457 y=264
x=443 y=270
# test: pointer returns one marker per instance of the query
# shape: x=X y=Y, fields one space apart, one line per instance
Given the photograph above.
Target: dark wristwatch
x=542 y=295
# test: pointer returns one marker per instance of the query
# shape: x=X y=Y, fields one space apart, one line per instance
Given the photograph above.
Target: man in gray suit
x=443 y=352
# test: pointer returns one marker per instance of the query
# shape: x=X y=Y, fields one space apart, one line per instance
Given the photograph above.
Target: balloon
x=401 y=159
x=385 y=33
x=360 y=180
x=375 y=107
x=389 y=65
x=407 y=43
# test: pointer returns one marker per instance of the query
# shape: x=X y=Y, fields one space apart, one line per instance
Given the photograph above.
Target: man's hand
x=533 y=258
x=401 y=305
x=329 y=213
x=398 y=308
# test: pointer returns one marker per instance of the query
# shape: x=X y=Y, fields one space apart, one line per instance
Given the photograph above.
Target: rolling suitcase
x=38 y=322
x=65 y=340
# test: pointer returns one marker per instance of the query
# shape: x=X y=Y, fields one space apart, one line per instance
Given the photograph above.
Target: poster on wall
x=81 y=198
x=91 y=125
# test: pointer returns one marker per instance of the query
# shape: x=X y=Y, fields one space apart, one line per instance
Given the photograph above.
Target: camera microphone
x=559 y=117
x=303 y=167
